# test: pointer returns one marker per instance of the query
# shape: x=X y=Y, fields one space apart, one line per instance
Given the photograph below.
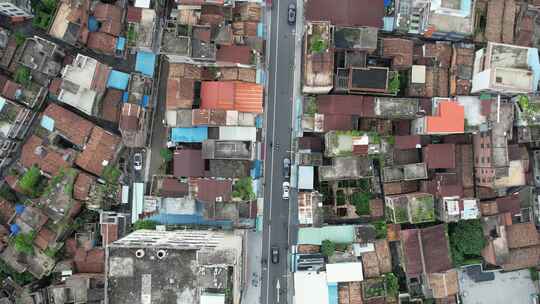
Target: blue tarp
x=47 y=123
x=259 y=121
x=120 y=43
x=196 y=134
x=534 y=63
x=93 y=24
x=332 y=293
x=19 y=208
x=15 y=229
x=256 y=167
x=125 y=97
x=145 y=63
x=144 y=101
x=118 y=80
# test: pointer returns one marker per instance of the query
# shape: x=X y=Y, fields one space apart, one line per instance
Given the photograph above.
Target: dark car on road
x=275 y=254
x=291 y=14
x=286 y=167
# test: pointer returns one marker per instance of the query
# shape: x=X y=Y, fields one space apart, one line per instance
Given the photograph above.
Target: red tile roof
x=407 y=142
x=435 y=249
x=92 y=261
x=337 y=122
x=75 y=128
x=109 y=233
x=134 y=14
x=7 y=210
x=522 y=235
x=129 y=120
x=400 y=50
x=227 y=95
x=110 y=17
x=54 y=86
x=510 y=203
x=110 y=105
x=346 y=12
x=102 y=42
x=449 y=119
x=410 y=241
x=172 y=187
x=10 y=89
x=180 y=93
x=188 y=163
x=234 y=54
x=440 y=156
x=43 y=238
x=34 y=153
x=208 y=190
x=81 y=189
x=360 y=105
x=101 y=148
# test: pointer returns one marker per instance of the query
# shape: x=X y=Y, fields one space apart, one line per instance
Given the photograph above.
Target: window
x=483 y=159
x=482 y=146
x=488 y=158
x=498 y=79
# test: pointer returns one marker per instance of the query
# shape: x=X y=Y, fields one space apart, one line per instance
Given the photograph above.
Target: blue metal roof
x=145 y=63
x=125 y=97
x=47 y=123
x=256 y=168
x=93 y=24
x=332 y=293
x=118 y=80
x=120 y=43
x=195 y=134
x=144 y=101
x=19 y=208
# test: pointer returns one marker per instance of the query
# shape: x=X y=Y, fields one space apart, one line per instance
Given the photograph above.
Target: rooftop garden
x=310 y=105
x=145 y=224
x=422 y=209
x=22 y=76
x=530 y=110
x=243 y=189
x=318 y=41
x=397 y=213
x=374 y=288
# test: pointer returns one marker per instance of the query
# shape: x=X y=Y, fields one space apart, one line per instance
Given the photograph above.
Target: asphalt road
x=278 y=132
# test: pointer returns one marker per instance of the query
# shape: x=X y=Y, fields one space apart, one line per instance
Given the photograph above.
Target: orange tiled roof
x=248 y=97
x=217 y=95
x=101 y=147
x=226 y=95
x=450 y=119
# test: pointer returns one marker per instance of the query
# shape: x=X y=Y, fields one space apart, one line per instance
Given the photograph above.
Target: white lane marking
x=272 y=151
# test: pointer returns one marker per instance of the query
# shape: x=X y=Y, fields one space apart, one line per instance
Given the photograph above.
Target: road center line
x=268 y=283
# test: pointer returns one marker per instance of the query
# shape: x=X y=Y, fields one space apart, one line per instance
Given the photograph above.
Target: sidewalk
x=252 y=285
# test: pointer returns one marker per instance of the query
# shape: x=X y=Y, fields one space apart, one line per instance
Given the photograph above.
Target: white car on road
x=286 y=186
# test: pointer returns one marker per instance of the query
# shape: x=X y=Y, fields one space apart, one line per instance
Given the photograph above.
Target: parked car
x=286 y=186
x=275 y=254
x=137 y=161
x=291 y=14
x=286 y=167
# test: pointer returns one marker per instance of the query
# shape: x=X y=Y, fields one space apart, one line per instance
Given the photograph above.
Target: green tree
x=328 y=248
x=466 y=240
x=145 y=224
x=243 y=189
x=111 y=174
x=392 y=286
x=381 y=230
x=394 y=85
x=166 y=154
x=19 y=38
x=22 y=76
x=23 y=242
x=30 y=180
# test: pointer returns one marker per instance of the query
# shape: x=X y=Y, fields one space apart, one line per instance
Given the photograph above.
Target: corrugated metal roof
x=336 y=234
x=195 y=134
x=137 y=202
